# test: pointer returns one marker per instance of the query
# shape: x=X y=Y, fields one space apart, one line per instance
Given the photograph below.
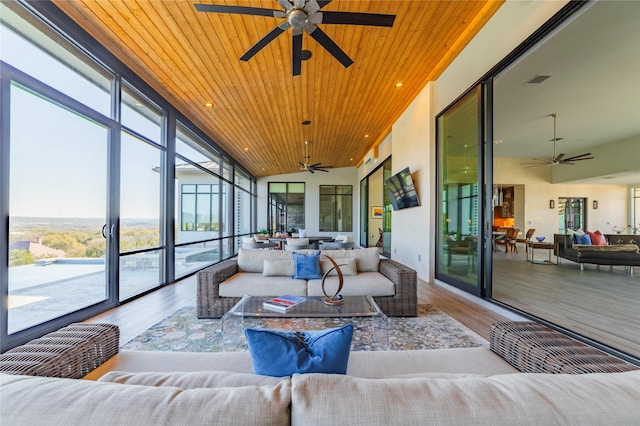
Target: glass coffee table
x=370 y=324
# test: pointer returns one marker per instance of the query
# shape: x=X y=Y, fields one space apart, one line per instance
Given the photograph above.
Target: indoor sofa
x=461 y=386
x=621 y=250
x=270 y=273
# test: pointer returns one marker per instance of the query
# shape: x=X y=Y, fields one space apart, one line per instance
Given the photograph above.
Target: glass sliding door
x=57 y=199
x=457 y=242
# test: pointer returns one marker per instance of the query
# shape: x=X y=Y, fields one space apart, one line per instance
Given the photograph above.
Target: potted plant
x=263 y=234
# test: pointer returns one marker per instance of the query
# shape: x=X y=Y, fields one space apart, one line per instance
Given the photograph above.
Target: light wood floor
x=135 y=317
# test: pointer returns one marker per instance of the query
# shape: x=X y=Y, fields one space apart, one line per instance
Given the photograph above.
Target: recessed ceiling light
x=306 y=122
x=350 y=159
x=399 y=84
x=366 y=136
x=246 y=148
x=209 y=105
x=305 y=55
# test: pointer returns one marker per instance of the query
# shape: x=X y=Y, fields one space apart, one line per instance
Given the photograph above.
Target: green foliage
x=20 y=257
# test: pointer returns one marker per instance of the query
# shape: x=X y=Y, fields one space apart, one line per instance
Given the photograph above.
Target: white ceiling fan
x=559 y=158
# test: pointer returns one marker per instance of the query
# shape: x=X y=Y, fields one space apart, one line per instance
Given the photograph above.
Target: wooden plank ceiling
x=192 y=58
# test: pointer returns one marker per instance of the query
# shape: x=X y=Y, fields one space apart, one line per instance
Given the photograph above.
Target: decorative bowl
x=540 y=239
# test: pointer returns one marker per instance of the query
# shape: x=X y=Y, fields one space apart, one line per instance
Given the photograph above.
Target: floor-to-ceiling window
x=457 y=241
x=286 y=206
x=92 y=167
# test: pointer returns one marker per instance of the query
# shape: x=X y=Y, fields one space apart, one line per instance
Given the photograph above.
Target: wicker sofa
x=219 y=287
x=479 y=386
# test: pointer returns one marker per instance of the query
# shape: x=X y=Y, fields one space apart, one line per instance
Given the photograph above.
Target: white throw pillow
x=348 y=239
x=248 y=240
x=277 y=268
x=340 y=238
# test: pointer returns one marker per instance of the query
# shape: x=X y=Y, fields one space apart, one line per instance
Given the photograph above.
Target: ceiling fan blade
x=311 y=171
x=323 y=3
x=353 y=18
x=569 y=161
x=298 y=4
x=576 y=157
x=264 y=41
x=238 y=10
x=315 y=165
x=297 y=54
x=322 y=170
x=559 y=157
x=324 y=40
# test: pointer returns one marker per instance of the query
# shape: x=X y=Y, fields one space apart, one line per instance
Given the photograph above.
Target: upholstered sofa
x=270 y=272
x=478 y=386
x=620 y=250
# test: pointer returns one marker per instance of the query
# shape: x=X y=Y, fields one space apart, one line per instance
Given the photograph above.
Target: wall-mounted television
x=402 y=191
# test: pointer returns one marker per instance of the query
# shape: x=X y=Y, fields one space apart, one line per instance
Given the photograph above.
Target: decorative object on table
x=595 y=204
x=552 y=204
x=283 y=303
x=336 y=299
x=634 y=229
x=284 y=353
x=618 y=229
x=540 y=239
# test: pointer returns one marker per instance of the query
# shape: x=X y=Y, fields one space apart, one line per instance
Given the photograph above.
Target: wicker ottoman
x=533 y=348
x=70 y=352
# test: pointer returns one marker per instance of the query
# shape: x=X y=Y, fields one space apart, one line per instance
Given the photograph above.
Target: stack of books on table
x=283 y=303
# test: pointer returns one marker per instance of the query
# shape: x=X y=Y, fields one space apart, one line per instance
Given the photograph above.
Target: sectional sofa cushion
x=367 y=259
x=244 y=283
x=28 y=400
x=251 y=260
x=277 y=268
x=522 y=399
x=283 y=353
x=371 y=283
x=348 y=266
x=191 y=380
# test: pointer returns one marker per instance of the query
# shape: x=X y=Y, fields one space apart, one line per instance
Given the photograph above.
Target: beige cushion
x=365 y=283
x=253 y=260
x=277 y=268
x=54 y=401
x=190 y=380
x=304 y=242
x=367 y=259
x=244 y=283
x=347 y=266
x=522 y=399
x=248 y=240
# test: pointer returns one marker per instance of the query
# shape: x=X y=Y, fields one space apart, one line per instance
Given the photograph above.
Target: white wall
x=538 y=191
x=341 y=176
x=413 y=135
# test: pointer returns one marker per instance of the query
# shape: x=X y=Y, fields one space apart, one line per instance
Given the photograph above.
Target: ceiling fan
x=303 y=15
x=311 y=168
x=559 y=158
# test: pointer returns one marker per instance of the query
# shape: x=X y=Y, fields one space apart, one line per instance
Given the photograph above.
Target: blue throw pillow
x=283 y=353
x=584 y=239
x=306 y=267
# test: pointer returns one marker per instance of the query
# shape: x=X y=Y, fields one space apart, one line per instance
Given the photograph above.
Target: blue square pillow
x=283 y=353
x=584 y=239
x=306 y=267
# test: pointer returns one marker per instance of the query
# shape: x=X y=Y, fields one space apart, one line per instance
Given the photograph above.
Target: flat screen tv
x=402 y=191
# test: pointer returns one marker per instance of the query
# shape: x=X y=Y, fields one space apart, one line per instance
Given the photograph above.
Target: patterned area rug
x=183 y=332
